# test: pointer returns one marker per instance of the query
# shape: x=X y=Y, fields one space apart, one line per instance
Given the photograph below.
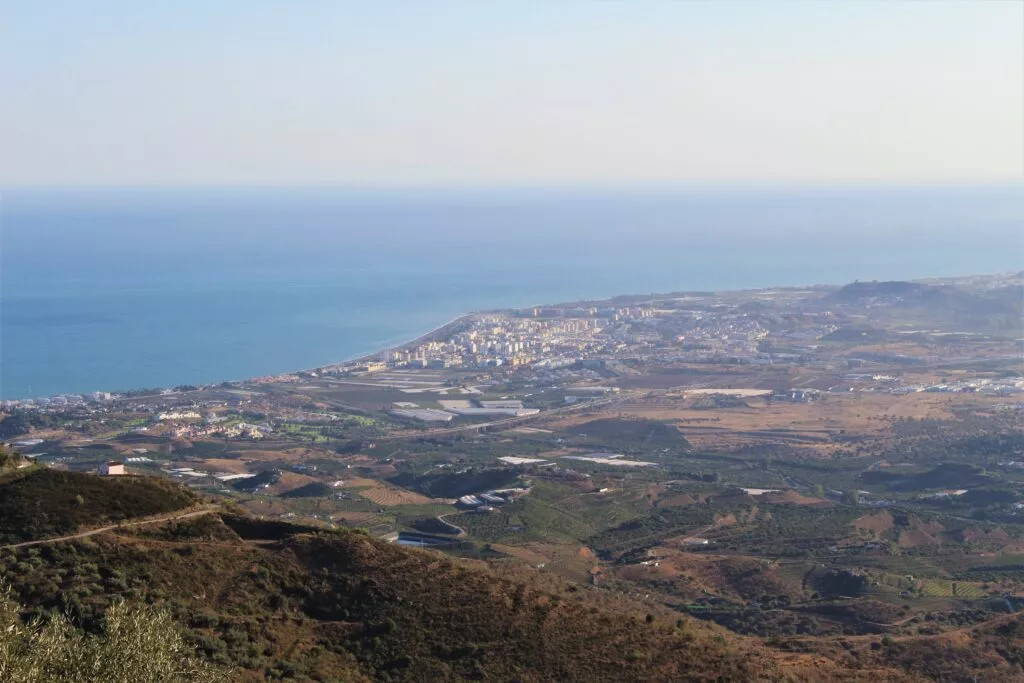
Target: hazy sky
x=520 y=91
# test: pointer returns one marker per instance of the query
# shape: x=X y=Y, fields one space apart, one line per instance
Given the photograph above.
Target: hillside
x=992 y=310
x=37 y=503
x=269 y=600
x=274 y=601
x=893 y=290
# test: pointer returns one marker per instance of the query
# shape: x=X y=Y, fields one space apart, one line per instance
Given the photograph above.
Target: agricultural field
x=812 y=427
x=383 y=494
x=857 y=481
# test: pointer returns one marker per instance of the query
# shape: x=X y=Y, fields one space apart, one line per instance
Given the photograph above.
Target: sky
x=521 y=92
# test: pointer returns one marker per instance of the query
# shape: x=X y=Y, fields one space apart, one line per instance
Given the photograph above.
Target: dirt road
x=170 y=517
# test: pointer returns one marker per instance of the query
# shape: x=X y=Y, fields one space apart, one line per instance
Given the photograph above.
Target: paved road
x=171 y=517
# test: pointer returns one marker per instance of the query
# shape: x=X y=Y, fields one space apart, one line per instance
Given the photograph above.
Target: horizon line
x=524 y=186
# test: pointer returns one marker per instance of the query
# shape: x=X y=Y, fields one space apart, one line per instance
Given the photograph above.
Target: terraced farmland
x=952 y=589
x=388 y=496
x=492 y=526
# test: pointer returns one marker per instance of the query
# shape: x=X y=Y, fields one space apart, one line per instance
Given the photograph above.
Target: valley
x=824 y=479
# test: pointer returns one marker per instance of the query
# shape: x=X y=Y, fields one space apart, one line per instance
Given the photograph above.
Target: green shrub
x=136 y=645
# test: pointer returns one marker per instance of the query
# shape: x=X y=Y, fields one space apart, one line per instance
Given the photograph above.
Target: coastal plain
x=828 y=472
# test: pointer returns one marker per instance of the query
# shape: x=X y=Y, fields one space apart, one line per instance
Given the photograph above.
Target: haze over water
x=119 y=289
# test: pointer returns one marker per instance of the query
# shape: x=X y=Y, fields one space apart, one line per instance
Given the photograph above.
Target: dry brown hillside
x=276 y=601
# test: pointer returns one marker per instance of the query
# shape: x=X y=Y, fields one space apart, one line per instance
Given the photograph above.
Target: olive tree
x=138 y=644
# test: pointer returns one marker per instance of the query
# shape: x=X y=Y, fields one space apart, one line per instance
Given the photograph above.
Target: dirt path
x=170 y=517
x=462 y=532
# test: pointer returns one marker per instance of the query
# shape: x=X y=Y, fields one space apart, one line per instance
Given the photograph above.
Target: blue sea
x=112 y=289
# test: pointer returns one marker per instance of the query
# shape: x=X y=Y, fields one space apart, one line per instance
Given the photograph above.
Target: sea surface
x=113 y=289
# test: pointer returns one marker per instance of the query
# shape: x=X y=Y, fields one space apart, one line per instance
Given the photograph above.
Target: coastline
x=430 y=335
x=442 y=329
x=427 y=336
x=445 y=328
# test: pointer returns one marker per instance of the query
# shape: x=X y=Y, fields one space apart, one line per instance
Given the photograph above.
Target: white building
x=112 y=469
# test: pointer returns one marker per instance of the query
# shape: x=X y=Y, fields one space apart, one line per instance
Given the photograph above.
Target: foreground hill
x=38 y=503
x=276 y=601
x=270 y=601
